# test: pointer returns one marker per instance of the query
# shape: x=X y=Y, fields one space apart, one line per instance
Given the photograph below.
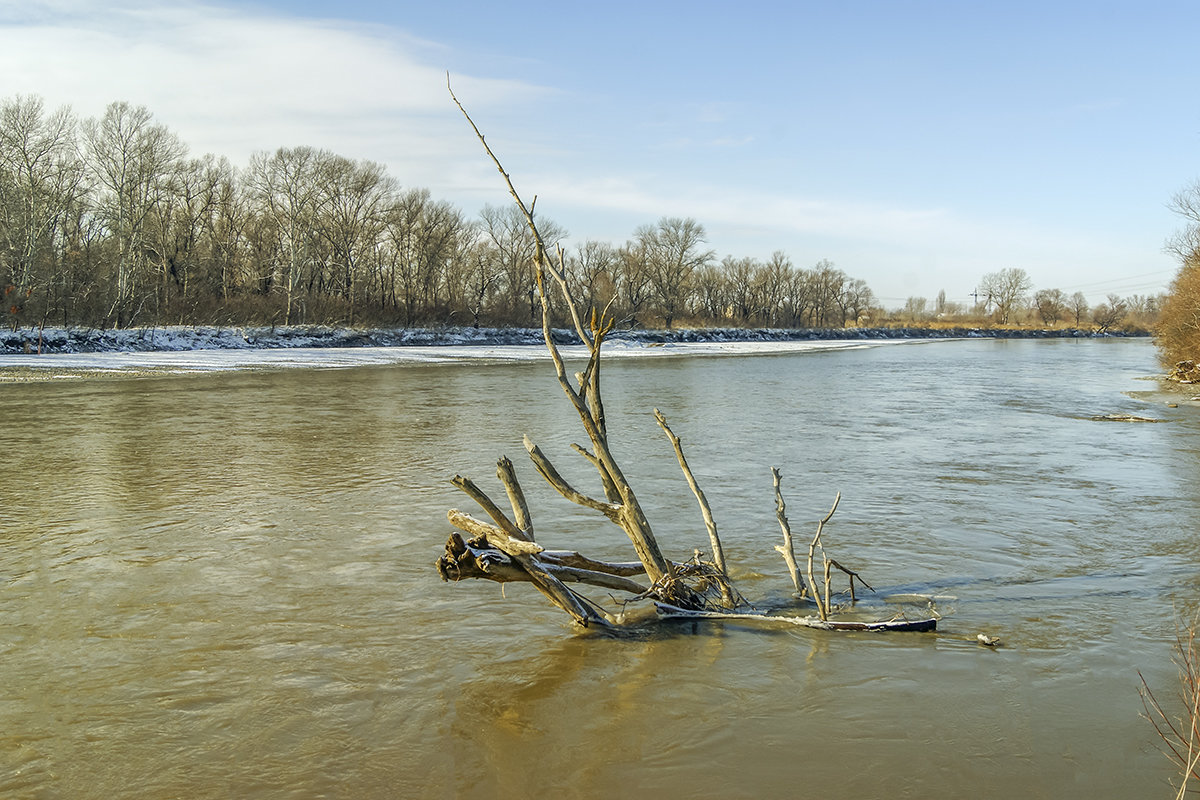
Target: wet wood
x=786 y=549
x=479 y=560
x=926 y=624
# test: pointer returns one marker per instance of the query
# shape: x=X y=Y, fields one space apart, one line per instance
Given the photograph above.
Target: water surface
x=221 y=584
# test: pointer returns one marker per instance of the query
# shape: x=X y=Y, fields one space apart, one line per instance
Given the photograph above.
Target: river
x=219 y=582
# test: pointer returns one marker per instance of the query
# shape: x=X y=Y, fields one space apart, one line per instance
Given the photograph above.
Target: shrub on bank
x=1178 y=332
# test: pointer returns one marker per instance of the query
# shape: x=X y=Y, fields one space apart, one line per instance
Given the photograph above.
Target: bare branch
x=516 y=497
x=495 y=537
x=547 y=471
x=786 y=550
x=705 y=511
x=568 y=558
x=492 y=510
x=823 y=604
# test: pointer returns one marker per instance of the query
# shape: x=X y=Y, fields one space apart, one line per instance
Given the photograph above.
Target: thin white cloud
x=232 y=82
x=898 y=251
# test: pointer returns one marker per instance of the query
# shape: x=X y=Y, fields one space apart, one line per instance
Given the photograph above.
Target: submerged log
x=896 y=624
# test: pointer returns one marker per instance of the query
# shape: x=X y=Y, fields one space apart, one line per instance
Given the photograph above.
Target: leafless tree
x=428 y=243
x=673 y=250
x=740 y=275
x=1077 y=304
x=286 y=187
x=914 y=308
x=1110 y=314
x=712 y=292
x=827 y=282
x=592 y=270
x=135 y=162
x=505 y=230
x=857 y=299
x=41 y=179
x=1007 y=290
x=1051 y=305
x=357 y=199
x=1184 y=244
x=633 y=281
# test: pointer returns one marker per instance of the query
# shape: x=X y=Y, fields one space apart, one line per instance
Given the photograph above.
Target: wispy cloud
x=232 y=82
x=899 y=250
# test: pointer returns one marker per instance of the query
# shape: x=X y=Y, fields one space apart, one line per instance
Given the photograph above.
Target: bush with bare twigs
x=1180 y=733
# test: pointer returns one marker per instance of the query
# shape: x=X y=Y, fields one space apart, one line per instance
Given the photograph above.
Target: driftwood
x=502 y=548
x=897 y=623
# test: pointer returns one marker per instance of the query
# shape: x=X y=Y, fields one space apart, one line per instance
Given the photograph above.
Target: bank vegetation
x=1178 y=330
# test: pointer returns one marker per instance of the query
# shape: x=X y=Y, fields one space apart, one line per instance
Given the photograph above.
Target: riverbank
x=184 y=338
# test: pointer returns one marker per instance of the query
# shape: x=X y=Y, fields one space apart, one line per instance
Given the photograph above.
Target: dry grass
x=1180 y=732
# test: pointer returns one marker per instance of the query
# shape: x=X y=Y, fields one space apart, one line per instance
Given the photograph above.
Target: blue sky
x=917 y=145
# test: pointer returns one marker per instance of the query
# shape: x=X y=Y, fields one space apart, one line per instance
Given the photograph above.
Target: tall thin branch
x=705 y=510
x=786 y=550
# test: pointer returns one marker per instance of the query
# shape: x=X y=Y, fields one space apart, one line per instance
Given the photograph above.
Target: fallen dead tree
x=503 y=548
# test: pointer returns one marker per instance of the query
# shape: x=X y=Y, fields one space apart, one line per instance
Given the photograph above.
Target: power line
x=1094 y=284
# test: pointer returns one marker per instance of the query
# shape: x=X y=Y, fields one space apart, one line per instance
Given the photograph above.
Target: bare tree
x=135 y=162
x=803 y=296
x=357 y=199
x=505 y=230
x=1177 y=334
x=1007 y=290
x=428 y=240
x=41 y=178
x=592 y=270
x=1184 y=244
x=914 y=308
x=1109 y=315
x=482 y=274
x=740 y=274
x=633 y=281
x=1078 y=306
x=1051 y=305
x=286 y=186
x=827 y=282
x=712 y=292
x=857 y=299
x=674 y=250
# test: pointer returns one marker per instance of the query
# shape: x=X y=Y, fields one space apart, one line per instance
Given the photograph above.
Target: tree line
x=109 y=222
x=1007 y=297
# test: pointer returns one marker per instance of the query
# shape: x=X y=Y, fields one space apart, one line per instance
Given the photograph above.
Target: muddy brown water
x=222 y=584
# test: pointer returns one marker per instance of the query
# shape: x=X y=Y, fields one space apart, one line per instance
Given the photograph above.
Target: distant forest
x=110 y=223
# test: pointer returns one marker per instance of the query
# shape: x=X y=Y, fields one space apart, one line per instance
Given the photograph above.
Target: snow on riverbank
x=176 y=338
x=210 y=348
x=341 y=357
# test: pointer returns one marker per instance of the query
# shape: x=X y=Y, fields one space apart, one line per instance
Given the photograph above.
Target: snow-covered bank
x=174 y=339
x=20 y=367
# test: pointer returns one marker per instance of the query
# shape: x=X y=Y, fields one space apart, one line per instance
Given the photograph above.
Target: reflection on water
x=221 y=585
